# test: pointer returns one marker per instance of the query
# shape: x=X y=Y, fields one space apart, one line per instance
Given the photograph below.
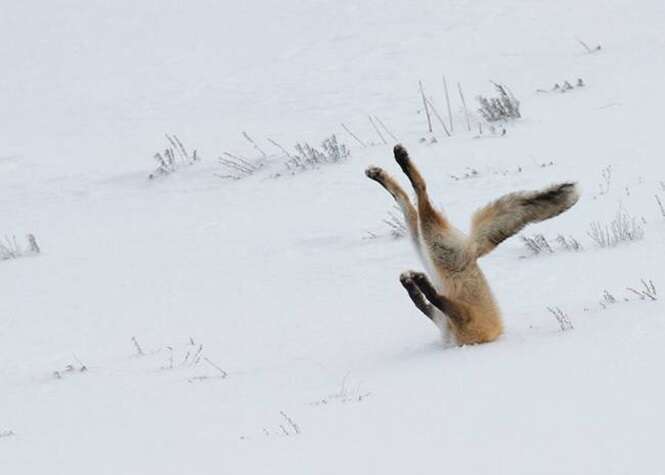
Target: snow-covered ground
x=275 y=335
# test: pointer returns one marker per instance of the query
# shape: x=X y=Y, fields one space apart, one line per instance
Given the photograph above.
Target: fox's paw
x=420 y=279
x=374 y=173
x=401 y=156
x=406 y=278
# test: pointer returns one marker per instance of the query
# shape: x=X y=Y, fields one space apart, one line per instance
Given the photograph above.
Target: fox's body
x=460 y=297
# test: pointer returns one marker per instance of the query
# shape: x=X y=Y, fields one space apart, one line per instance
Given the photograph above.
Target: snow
x=276 y=277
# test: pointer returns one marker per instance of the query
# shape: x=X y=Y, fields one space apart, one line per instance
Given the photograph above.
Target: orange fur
x=461 y=292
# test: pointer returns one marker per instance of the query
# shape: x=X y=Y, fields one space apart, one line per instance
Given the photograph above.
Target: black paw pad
x=420 y=279
x=401 y=155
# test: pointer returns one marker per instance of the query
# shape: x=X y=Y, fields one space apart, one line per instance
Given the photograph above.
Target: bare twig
x=139 y=350
x=291 y=422
x=386 y=128
x=660 y=206
x=223 y=373
x=586 y=47
x=396 y=224
x=284 y=151
x=466 y=111
x=450 y=113
x=562 y=318
x=10 y=248
x=429 y=119
x=648 y=291
x=376 y=129
x=258 y=149
x=622 y=228
x=436 y=113
x=354 y=136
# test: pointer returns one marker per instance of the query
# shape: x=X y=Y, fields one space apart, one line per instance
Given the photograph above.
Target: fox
x=456 y=296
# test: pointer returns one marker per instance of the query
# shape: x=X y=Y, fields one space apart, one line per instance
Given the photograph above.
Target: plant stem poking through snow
x=538 y=244
x=172 y=158
x=383 y=126
x=258 y=149
x=648 y=290
x=450 y=112
x=362 y=144
x=222 y=373
x=139 y=350
x=466 y=110
x=11 y=249
x=562 y=318
x=291 y=423
x=586 y=47
x=396 y=224
x=503 y=107
x=660 y=206
x=308 y=157
x=376 y=129
x=236 y=168
x=623 y=228
x=436 y=113
x=422 y=94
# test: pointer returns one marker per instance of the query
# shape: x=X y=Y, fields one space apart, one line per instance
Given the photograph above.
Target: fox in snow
x=458 y=298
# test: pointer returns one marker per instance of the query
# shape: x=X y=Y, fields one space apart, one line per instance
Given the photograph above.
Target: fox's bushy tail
x=503 y=218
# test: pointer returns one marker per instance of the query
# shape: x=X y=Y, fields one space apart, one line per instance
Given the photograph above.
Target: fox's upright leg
x=410 y=214
x=428 y=215
x=444 y=243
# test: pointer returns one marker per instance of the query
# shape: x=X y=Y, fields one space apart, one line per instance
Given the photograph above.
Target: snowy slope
x=329 y=367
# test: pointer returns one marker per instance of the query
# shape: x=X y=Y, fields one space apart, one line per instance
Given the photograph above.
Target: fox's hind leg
x=445 y=244
x=428 y=215
x=417 y=284
x=406 y=278
x=410 y=214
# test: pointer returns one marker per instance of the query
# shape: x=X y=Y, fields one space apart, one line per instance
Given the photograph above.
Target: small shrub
x=308 y=157
x=660 y=206
x=648 y=291
x=174 y=156
x=562 y=318
x=607 y=299
x=70 y=369
x=11 y=249
x=569 y=243
x=395 y=223
x=539 y=244
x=503 y=107
x=623 y=228
x=236 y=168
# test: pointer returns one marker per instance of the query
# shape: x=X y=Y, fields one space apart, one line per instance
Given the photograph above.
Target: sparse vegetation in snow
x=646 y=292
x=396 y=225
x=78 y=367
x=623 y=228
x=235 y=167
x=539 y=244
x=11 y=249
x=307 y=157
x=562 y=318
x=503 y=107
x=173 y=157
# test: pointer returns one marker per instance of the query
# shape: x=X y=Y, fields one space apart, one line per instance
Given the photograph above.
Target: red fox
x=460 y=300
